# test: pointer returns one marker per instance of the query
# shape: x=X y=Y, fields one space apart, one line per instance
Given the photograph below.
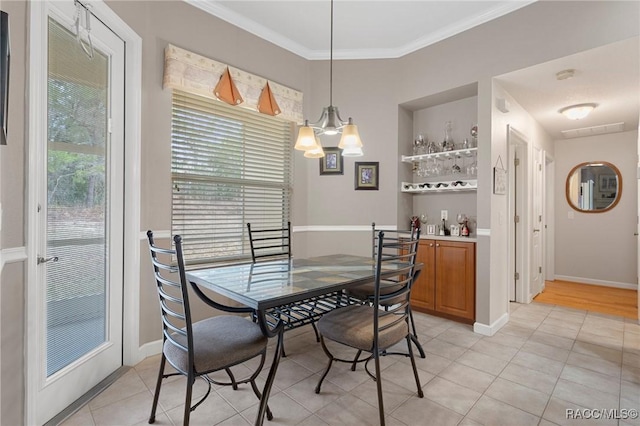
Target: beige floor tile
x=530 y=323
x=443 y=349
x=392 y=394
x=312 y=420
x=558 y=411
x=240 y=399
x=488 y=347
x=161 y=420
x=598 y=351
x=631 y=374
x=522 y=397
x=127 y=385
x=467 y=421
x=288 y=373
x=401 y=374
x=342 y=376
x=489 y=411
x=468 y=377
x=236 y=420
x=591 y=379
x=285 y=411
x=416 y=411
x=596 y=364
x=82 y=417
x=482 y=362
x=212 y=411
x=349 y=410
x=552 y=340
x=533 y=379
x=516 y=330
x=610 y=341
x=631 y=392
x=506 y=339
x=557 y=322
x=431 y=363
x=574 y=317
x=460 y=337
x=558 y=330
x=304 y=393
x=539 y=363
x=173 y=393
x=584 y=396
x=630 y=358
x=451 y=395
x=546 y=351
x=129 y=411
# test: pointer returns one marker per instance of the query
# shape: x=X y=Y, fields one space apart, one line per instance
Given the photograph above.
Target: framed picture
x=332 y=163
x=367 y=175
x=608 y=183
x=499 y=181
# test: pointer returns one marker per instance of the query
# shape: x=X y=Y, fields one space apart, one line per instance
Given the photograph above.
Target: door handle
x=536 y=230
x=47 y=259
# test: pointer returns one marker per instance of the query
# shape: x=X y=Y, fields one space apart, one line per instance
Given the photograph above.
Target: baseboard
x=149 y=349
x=628 y=286
x=490 y=330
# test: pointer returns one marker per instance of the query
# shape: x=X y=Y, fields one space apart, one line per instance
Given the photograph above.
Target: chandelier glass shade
x=330 y=123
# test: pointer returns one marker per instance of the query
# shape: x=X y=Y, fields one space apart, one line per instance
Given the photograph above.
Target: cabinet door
x=423 y=290
x=455 y=278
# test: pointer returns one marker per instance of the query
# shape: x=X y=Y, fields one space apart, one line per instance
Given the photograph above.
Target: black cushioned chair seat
x=352 y=326
x=219 y=342
x=365 y=291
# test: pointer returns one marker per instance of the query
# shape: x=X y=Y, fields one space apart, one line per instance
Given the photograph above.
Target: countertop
x=448 y=238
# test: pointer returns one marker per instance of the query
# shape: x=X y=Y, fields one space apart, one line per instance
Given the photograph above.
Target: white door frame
x=38 y=132
x=518 y=236
x=537 y=222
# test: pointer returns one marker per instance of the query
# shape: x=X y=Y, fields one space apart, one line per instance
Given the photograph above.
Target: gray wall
x=598 y=246
x=369 y=90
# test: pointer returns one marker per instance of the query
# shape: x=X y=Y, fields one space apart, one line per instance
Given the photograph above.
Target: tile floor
x=545 y=360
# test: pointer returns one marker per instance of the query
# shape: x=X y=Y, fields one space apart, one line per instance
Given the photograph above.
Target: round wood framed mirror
x=594 y=187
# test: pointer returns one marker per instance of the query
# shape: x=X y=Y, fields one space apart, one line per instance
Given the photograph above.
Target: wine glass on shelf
x=461 y=218
x=423 y=220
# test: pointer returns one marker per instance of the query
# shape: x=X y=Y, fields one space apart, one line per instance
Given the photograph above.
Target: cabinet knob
x=437 y=245
x=431 y=245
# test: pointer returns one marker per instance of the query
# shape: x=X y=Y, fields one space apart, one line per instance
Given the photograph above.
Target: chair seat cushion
x=364 y=291
x=219 y=342
x=353 y=326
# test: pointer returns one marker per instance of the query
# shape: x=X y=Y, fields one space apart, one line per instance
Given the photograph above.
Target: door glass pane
x=76 y=199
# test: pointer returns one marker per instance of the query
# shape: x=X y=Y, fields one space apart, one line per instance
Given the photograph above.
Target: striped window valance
x=193 y=73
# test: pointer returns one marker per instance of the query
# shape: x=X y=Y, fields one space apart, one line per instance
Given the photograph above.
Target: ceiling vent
x=593 y=131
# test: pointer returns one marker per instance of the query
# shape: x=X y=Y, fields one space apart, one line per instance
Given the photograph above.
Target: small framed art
x=332 y=163
x=367 y=175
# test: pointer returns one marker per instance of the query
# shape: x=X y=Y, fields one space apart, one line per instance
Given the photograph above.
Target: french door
x=77 y=335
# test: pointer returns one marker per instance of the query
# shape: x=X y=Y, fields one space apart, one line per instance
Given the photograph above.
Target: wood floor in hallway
x=593 y=298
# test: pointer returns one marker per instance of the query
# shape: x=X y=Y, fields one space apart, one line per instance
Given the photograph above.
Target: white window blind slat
x=229 y=166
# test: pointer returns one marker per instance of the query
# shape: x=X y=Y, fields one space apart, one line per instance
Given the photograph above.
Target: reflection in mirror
x=594 y=187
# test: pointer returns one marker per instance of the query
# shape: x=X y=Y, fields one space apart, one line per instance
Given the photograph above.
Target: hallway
x=590 y=298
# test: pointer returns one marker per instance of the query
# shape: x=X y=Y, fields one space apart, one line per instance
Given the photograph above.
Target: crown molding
x=271 y=36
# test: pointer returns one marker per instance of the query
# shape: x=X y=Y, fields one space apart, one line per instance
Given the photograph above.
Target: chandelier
x=330 y=123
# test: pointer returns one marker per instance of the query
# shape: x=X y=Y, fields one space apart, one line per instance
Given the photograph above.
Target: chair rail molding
x=11 y=255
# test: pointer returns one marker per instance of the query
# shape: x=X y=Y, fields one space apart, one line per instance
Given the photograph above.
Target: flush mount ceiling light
x=329 y=124
x=577 y=112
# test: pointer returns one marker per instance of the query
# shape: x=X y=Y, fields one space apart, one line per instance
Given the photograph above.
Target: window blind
x=229 y=166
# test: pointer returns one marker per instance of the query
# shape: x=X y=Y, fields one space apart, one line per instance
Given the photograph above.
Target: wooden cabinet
x=447 y=282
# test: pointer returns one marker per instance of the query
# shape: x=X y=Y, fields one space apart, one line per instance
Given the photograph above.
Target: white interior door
x=537 y=203
x=77 y=335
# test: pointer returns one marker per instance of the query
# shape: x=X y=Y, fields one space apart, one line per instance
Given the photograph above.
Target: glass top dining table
x=287 y=293
x=274 y=283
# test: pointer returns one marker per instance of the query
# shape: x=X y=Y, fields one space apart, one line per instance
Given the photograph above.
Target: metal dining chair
x=365 y=291
x=196 y=349
x=384 y=322
x=269 y=243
